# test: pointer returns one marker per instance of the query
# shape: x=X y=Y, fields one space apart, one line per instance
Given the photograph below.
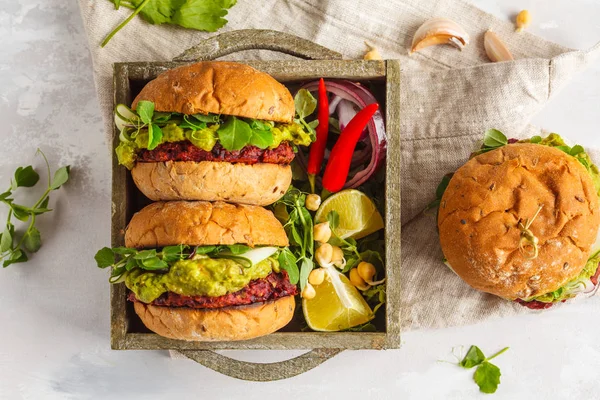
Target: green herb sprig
x=14 y=248
x=233 y=133
x=492 y=139
x=368 y=249
x=305 y=104
x=487 y=375
x=202 y=15
x=439 y=193
x=124 y=259
x=297 y=260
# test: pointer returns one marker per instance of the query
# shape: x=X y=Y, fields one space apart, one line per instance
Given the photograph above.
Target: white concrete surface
x=54 y=321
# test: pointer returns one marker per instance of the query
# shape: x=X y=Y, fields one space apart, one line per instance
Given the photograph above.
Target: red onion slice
x=361 y=97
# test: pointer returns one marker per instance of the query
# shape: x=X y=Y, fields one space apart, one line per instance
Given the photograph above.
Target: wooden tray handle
x=251 y=39
x=210 y=49
x=261 y=372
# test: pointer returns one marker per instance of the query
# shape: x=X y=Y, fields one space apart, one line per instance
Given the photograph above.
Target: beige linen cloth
x=449 y=98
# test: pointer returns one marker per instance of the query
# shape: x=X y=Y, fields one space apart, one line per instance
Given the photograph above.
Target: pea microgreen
x=305 y=104
x=233 y=133
x=14 y=247
x=368 y=249
x=298 y=259
x=123 y=259
x=487 y=375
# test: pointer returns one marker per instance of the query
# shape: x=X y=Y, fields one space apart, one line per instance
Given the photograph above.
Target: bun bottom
x=222 y=324
x=258 y=184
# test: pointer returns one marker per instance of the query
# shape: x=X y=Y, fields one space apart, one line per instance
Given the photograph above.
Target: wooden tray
x=127 y=332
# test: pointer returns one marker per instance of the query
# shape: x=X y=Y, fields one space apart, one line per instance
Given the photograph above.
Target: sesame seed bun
x=259 y=184
x=220 y=87
x=221 y=324
x=201 y=223
x=480 y=211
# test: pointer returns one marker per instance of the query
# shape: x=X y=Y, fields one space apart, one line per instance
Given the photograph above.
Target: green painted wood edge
x=250 y=39
x=273 y=341
x=261 y=372
x=393 y=205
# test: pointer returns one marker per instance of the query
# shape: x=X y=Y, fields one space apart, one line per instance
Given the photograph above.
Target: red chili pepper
x=340 y=158
x=317 y=149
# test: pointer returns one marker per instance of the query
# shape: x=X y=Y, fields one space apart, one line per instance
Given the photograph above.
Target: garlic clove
x=439 y=31
x=495 y=49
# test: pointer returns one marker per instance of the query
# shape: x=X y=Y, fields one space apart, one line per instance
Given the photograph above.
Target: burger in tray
x=520 y=220
x=212 y=131
x=202 y=271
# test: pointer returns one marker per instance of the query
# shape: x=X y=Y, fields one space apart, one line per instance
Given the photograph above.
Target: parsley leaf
x=203 y=15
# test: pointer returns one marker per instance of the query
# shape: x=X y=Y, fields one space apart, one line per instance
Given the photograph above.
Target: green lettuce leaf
x=569 y=290
x=577 y=151
x=203 y=131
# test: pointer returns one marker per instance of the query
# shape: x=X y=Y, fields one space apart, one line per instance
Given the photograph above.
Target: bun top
x=220 y=88
x=201 y=223
x=488 y=197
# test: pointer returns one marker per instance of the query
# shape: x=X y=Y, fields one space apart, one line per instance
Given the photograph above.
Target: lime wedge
x=337 y=305
x=358 y=215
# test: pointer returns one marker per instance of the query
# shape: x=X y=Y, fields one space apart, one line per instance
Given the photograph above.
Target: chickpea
x=322 y=232
x=316 y=276
x=356 y=280
x=313 y=201
x=372 y=54
x=309 y=292
x=366 y=271
x=323 y=254
x=523 y=20
x=337 y=257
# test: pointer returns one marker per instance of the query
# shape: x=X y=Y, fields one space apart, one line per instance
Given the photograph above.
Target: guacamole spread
x=205 y=138
x=198 y=277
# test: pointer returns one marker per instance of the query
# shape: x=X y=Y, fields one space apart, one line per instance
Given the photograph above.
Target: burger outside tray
x=127 y=332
